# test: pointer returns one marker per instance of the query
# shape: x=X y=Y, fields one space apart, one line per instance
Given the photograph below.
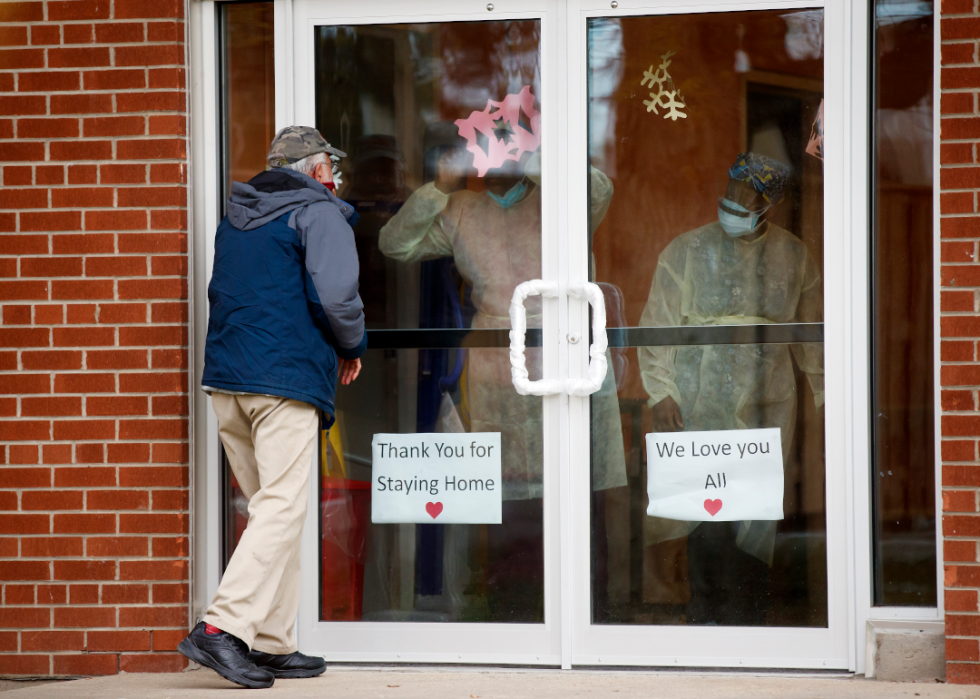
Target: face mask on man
x=513 y=195
x=736 y=219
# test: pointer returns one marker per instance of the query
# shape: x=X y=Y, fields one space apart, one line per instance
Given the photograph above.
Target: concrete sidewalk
x=455 y=683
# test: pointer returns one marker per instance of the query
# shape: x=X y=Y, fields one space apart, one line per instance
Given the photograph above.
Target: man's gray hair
x=308 y=164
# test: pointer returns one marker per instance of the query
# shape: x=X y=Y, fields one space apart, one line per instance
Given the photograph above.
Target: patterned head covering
x=766 y=176
x=294 y=143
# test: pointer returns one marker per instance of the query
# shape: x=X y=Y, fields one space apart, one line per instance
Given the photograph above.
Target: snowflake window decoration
x=667 y=96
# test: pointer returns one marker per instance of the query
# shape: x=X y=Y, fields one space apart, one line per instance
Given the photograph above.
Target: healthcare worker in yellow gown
x=739 y=269
x=494 y=237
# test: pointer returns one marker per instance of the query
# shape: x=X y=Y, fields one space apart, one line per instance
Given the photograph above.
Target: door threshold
x=592 y=670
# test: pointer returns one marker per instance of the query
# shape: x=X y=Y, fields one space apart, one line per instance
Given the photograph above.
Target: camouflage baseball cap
x=294 y=143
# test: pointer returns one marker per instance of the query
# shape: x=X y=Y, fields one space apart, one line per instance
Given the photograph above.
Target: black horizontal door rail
x=450 y=338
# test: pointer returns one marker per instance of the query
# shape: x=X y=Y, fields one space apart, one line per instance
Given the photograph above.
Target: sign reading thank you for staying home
x=718 y=475
x=436 y=477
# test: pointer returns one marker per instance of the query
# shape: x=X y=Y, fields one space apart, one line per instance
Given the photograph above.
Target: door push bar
x=518 y=329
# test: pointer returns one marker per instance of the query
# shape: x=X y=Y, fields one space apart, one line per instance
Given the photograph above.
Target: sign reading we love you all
x=436 y=477
x=721 y=475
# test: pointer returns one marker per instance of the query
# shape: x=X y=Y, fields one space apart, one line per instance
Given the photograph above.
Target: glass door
x=707 y=493
x=444 y=111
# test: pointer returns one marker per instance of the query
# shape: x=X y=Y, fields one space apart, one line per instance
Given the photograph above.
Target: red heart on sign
x=435 y=509
x=712 y=506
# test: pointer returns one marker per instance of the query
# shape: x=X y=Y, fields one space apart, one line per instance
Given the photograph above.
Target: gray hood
x=250 y=208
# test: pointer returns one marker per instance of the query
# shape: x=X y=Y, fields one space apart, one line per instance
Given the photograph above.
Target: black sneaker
x=293 y=665
x=225 y=654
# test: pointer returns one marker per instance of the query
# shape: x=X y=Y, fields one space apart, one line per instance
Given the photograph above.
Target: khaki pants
x=269 y=442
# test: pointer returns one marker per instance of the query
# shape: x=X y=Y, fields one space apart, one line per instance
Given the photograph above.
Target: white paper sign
x=721 y=475
x=436 y=477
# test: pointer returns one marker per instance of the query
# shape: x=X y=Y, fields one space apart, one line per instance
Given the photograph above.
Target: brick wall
x=959 y=179
x=93 y=343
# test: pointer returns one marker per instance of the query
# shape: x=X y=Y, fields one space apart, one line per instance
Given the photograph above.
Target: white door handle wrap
x=518 y=331
x=597 y=350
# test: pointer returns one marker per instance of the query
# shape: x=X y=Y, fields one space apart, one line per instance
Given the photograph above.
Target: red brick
x=79 y=289
x=50 y=174
x=23 y=198
x=167 y=640
x=163 y=78
x=115 y=126
x=116 y=267
x=960 y=551
x=117 y=405
x=126 y=594
x=79 y=197
x=52 y=640
x=24 y=524
x=16 y=315
x=91 y=617
x=7 y=85
x=50 y=266
x=15 y=105
x=150 y=429
x=22 y=454
x=140 y=9
x=153 y=523
x=84 y=243
x=961 y=600
x=78 y=10
x=960 y=625
x=79 y=33
x=25 y=570
x=45 y=35
x=26 y=477
x=152 y=570
x=13 y=59
x=117 y=546
x=83 y=594
x=18 y=175
x=171 y=547
x=152 y=196
x=45 y=314
x=116 y=359
x=47 y=128
x=84 y=570
x=89 y=453
x=20 y=291
x=961 y=525
x=26 y=664
x=152 y=289
x=56 y=454
x=51 y=594
x=50 y=221
x=123 y=174
x=118 y=640
x=85 y=524
x=169 y=313
x=151 y=149
x=957 y=7
x=128 y=453
x=960 y=28
x=170 y=405
x=13 y=36
x=24 y=430
x=24 y=383
x=959 y=251
x=122 y=313
x=85 y=383
x=114 y=79
x=153 y=616
x=172 y=454
x=83 y=337
x=81 y=150
x=168 y=172
x=85 y=476
x=153 y=243
x=959 y=326
x=78 y=57
x=84 y=429
x=164 y=382
x=50 y=546
x=155 y=55
x=957 y=103
x=51 y=500
x=962 y=649
x=119 y=33
x=24 y=244
x=51 y=407
x=18 y=594
x=81 y=313
x=21 y=151
x=86 y=664
x=168 y=125
x=954 y=78
x=115 y=220
x=6 y=125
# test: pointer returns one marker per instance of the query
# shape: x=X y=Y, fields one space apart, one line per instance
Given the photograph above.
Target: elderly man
x=738 y=270
x=285 y=320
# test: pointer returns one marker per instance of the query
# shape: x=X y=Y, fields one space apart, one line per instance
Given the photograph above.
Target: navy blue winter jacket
x=283 y=292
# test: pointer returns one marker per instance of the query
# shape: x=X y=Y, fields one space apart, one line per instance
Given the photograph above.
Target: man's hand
x=667 y=416
x=449 y=172
x=348 y=370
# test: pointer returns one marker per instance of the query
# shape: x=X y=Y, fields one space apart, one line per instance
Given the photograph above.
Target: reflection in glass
x=702 y=124
x=903 y=470
x=442 y=126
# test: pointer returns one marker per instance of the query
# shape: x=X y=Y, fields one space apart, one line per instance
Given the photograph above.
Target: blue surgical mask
x=736 y=219
x=513 y=195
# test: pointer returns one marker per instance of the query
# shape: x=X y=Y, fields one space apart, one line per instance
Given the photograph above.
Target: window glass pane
x=439 y=258
x=903 y=474
x=704 y=131
x=247 y=104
